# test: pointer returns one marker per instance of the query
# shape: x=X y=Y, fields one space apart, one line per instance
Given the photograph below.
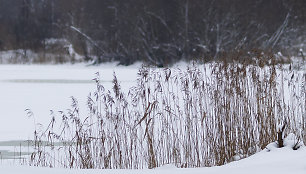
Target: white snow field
x=42 y=88
x=269 y=161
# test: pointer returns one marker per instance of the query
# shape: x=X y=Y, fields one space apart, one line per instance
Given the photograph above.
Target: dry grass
x=205 y=115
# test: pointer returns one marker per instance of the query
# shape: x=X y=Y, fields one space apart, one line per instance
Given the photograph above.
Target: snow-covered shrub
x=291 y=141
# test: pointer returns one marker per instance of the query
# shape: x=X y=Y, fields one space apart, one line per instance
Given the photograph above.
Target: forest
x=155 y=31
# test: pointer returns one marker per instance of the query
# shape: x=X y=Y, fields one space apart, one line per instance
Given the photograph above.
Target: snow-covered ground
x=274 y=160
x=42 y=88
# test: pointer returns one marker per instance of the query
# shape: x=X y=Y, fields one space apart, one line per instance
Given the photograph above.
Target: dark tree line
x=157 y=31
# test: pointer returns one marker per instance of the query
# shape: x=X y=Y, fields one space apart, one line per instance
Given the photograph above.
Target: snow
x=275 y=160
x=15 y=55
x=42 y=88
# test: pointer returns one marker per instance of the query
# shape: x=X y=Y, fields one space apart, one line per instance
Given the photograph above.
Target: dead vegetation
x=202 y=116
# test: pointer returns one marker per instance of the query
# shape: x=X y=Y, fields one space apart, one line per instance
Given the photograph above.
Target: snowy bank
x=280 y=161
x=270 y=160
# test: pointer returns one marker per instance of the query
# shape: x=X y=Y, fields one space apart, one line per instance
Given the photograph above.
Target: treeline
x=157 y=31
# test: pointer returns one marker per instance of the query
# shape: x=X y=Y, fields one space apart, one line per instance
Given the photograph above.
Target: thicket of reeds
x=204 y=115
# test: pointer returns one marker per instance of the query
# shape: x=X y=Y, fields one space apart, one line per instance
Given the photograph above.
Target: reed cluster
x=204 y=115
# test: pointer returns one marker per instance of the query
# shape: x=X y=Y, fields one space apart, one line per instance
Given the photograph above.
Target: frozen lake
x=42 y=88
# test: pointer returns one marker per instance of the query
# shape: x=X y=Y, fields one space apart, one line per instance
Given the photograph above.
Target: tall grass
x=204 y=115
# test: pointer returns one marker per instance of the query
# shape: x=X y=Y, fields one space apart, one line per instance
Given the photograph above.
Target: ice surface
x=42 y=88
